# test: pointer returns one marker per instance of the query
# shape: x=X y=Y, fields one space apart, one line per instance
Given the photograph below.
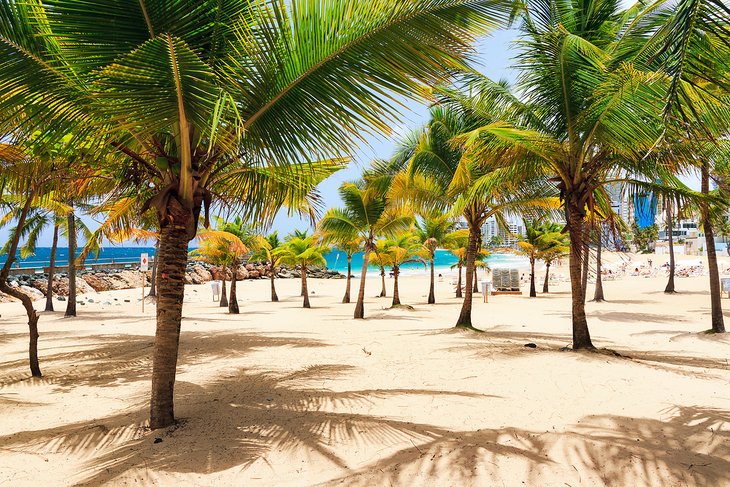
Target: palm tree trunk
x=581 y=335
x=35 y=369
x=360 y=306
x=305 y=291
x=173 y=257
x=431 y=291
x=475 y=284
x=274 y=296
x=52 y=269
x=465 y=315
x=383 y=292
x=670 y=233
x=545 y=284
x=586 y=254
x=224 y=292
x=233 y=301
x=71 y=303
x=396 y=294
x=153 y=283
x=533 y=291
x=459 y=294
x=598 y=293
x=718 y=323
x=346 y=298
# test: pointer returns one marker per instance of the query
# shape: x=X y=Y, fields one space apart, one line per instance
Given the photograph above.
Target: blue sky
x=494 y=60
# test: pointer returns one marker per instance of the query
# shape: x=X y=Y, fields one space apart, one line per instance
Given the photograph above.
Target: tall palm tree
x=588 y=111
x=366 y=214
x=439 y=173
x=431 y=231
x=187 y=92
x=303 y=252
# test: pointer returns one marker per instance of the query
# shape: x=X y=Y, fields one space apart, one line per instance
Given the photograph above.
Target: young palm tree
x=401 y=249
x=431 y=231
x=457 y=242
x=303 y=252
x=553 y=252
x=226 y=249
x=217 y=252
x=350 y=243
x=380 y=259
x=530 y=247
x=267 y=252
x=367 y=215
x=27 y=182
x=251 y=241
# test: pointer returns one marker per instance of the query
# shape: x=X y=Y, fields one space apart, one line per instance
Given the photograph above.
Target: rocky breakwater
x=35 y=285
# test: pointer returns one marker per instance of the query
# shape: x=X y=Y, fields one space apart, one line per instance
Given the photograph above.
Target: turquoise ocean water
x=336 y=260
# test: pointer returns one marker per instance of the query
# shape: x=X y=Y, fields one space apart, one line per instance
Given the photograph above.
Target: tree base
x=469 y=328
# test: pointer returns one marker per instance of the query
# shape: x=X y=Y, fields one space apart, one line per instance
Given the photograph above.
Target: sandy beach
x=283 y=396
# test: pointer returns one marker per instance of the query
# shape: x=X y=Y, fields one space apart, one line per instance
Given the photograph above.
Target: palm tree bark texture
x=71 y=304
x=52 y=269
x=346 y=297
x=174 y=238
x=581 y=335
x=465 y=314
x=718 y=323
x=35 y=368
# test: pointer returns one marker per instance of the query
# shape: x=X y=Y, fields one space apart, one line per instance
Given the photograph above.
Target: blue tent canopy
x=645 y=209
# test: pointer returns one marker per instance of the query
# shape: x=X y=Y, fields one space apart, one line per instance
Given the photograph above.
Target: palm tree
x=431 y=231
x=552 y=252
x=367 y=215
x=26 y=183
x=439 y=174
x=223 y=248
x=588 y=111
x=185 y=104
x=267 y=252
x=529 y=246
x=303 y=252
x=457 y=242
x=217 y=252
x=251 y=242
x=350 y=243
x=380 y=259
x=402 y=249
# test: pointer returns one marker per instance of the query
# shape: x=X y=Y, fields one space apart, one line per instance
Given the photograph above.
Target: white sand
x=280 y=395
